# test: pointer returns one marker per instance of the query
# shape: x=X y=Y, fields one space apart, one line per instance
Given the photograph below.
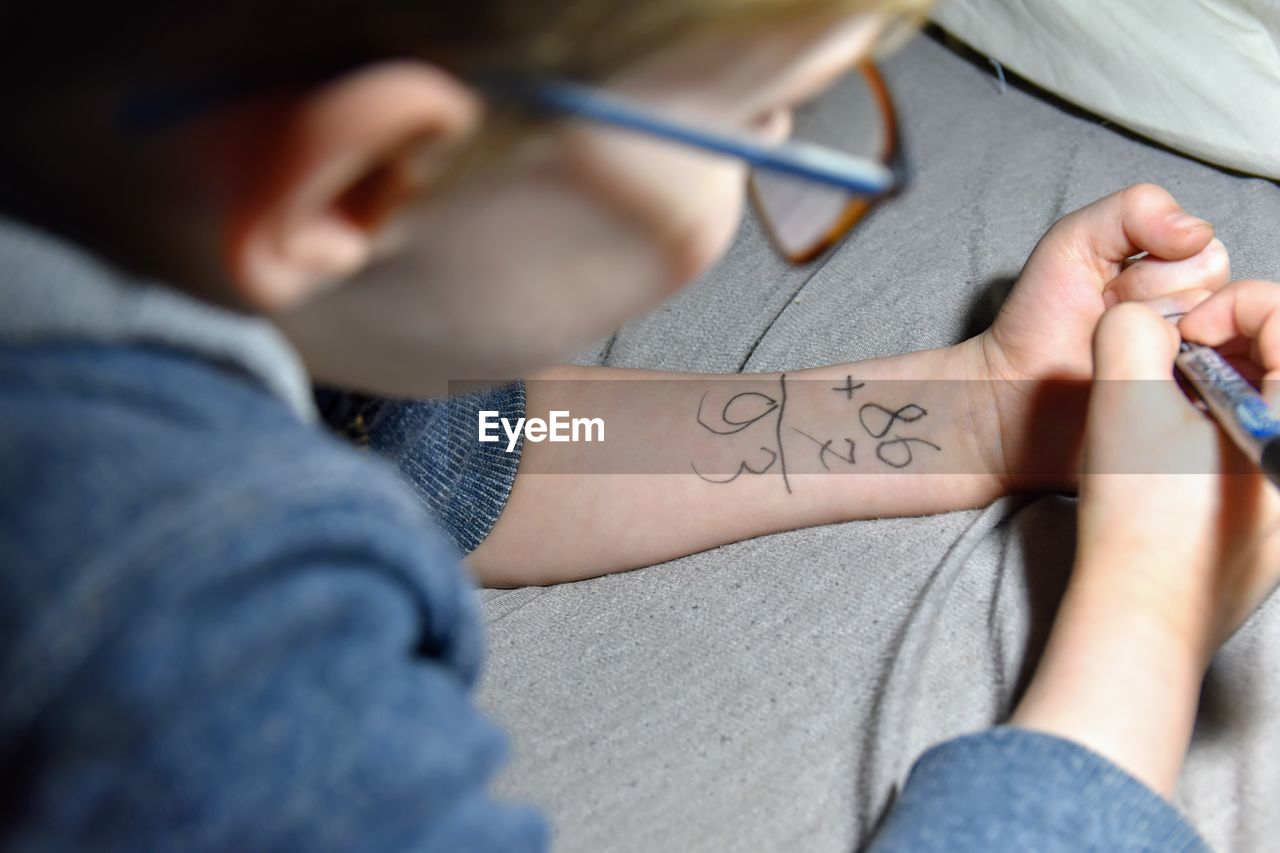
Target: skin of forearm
x=1118 y=677
x=887 y=437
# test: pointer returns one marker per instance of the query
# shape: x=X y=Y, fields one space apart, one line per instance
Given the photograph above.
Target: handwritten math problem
x=896 y=433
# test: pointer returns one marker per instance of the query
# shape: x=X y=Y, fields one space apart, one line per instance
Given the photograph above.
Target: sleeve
x=462 y=482
x=1014 y=789
x=313 y=692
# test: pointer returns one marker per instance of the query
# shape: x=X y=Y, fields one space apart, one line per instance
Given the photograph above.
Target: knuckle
x=1252 y=295
x=1216 y=260
x=1142 y=197
x=1144 y=191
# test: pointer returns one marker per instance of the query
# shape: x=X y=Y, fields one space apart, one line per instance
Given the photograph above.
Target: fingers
x=1142 y=218
x=1175 y=305
x=1151 y=278
x=1135 y=405
x=1134 y=342
x=1248 y=309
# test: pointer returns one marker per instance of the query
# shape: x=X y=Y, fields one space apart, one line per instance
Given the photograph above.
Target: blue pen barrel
x=1236 y=405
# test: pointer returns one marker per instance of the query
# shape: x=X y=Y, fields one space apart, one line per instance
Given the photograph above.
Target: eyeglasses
x=808 y=194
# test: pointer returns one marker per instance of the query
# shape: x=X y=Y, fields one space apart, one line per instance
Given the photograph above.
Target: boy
x=227 y=631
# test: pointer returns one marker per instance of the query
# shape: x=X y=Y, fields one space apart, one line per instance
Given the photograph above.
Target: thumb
x=1135 y=406
x=1134 y=342
x=1143 y=218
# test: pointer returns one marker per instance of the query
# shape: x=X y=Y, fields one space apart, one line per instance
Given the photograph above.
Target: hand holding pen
x=1179 y=534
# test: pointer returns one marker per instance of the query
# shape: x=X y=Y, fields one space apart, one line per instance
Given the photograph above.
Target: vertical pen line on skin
x=782 y=411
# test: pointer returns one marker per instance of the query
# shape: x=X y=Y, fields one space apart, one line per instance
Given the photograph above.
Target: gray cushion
x=769 y=695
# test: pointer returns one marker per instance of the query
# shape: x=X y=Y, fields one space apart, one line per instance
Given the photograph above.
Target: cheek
x=521 y=270
x=687 y=202
x=516 y=274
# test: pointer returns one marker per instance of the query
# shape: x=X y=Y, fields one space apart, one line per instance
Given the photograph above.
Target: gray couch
x=769 y=695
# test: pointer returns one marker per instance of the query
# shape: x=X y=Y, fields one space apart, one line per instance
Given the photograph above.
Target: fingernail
x=1187 y=222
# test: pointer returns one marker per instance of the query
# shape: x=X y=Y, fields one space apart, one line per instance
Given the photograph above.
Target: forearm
x=690 y=462
x=1118 y=676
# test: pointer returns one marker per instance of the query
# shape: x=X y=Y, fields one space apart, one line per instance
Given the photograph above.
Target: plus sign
x=848 y=387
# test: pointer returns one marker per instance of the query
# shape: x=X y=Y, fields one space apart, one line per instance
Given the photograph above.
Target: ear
x=349 y=154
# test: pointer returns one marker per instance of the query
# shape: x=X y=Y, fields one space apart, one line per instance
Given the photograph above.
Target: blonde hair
x=588 y=39
x=89 y=44
x=71 y=67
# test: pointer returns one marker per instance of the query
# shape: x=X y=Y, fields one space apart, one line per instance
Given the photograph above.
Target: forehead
x=785 y=64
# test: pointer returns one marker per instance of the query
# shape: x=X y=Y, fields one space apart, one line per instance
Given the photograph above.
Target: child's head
x=396 y=231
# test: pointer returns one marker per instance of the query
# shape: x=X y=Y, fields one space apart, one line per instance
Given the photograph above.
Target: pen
x=1237 y=407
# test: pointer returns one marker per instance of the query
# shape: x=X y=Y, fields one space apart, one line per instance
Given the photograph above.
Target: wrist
x=1031 y=428
x=984 y=419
